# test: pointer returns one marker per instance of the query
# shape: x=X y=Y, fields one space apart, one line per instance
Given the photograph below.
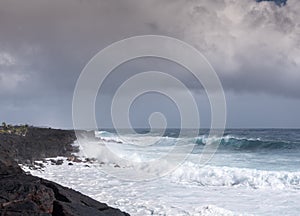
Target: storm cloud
x=254 y=47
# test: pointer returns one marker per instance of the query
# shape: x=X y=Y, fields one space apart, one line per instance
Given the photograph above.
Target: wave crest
x=238 y=143
x=235 y=177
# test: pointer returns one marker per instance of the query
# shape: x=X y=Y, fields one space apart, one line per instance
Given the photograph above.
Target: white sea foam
x=131 y=197
x=134 y=139
x=166 y=196
x=235 y=177
x=113 y=151
x=191 y=189
x=204 y=139
x=108 y=137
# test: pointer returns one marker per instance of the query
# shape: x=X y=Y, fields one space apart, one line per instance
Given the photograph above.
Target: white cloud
x=254 y=43
x=9 y=81
x=10 y=78
x=6 y=59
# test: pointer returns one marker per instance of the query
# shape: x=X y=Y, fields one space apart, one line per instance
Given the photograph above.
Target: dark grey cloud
x=253 y=47
x=56 y=39
x=44 y=45
x=277 y=2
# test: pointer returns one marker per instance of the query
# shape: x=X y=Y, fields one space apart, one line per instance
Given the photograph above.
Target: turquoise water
x=263 y=149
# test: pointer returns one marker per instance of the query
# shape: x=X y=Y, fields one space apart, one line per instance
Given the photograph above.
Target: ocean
x=253 y=172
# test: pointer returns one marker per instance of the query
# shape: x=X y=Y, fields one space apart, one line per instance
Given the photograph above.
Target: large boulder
x=24 y=195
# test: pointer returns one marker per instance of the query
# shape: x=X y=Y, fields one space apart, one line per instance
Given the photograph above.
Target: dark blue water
x=264 y=149
x=260 y=140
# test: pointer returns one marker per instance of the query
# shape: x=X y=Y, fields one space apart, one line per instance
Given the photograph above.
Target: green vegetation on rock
x=19 y=130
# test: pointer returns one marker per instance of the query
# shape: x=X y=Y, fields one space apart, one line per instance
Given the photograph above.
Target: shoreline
x=24 y=194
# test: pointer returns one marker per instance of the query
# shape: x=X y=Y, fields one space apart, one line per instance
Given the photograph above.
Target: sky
x=253 y=46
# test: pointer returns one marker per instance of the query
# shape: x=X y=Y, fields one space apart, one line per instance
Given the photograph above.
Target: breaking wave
x=227 y=142
x=237 y=177
x=237 y=143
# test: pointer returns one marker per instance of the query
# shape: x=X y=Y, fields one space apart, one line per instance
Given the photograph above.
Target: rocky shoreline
x=24 y=194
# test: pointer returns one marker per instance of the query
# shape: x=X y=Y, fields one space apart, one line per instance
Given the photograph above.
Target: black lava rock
x=26 y=195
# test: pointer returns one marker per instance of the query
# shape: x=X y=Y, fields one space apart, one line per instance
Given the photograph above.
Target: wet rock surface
x=22 y=194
